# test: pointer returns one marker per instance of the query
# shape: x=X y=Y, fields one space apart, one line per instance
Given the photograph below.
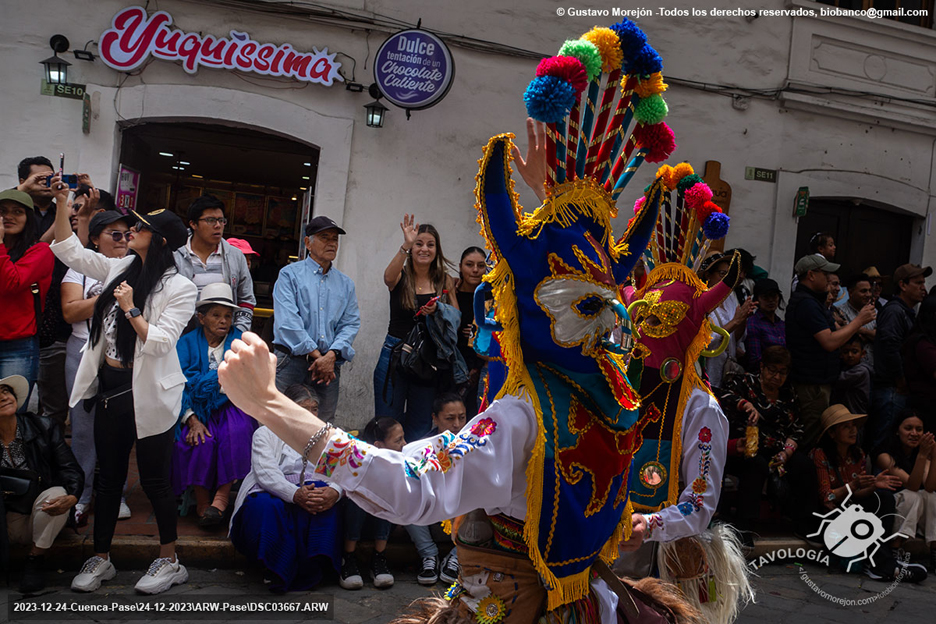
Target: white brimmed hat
x=20 y=388
x=216 y=294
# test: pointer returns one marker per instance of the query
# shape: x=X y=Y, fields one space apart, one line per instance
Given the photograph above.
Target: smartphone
x=70 y=179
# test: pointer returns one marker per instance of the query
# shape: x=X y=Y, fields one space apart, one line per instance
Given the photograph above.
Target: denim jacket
x=443 y=329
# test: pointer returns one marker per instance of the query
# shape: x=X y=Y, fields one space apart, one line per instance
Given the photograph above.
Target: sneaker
x=81 y=515
x=93 y=572
x=163 y=573
x=124 y=512
x=33 y=579
x=911 y=572
x=450 y=567
x=429 y=573
x=381 y=571
x=350 y=576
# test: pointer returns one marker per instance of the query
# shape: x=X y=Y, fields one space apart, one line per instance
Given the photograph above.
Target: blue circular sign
x=414 y=69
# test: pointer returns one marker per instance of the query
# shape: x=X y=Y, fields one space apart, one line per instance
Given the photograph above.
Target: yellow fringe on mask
x=565 y=202
x=674 y=271
x=650 y=85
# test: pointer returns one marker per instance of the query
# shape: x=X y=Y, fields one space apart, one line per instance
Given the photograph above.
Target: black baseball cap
x=765 y=286
x=320 y=224
x=105 y=218
x=166 y=224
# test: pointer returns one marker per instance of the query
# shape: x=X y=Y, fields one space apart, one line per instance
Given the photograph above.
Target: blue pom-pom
x=549 y=99
x=716 y=226
x=632 y=38
x=644 y=63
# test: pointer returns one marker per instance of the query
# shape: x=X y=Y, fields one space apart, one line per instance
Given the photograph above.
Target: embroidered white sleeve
x=704 y=446
x=439 y=478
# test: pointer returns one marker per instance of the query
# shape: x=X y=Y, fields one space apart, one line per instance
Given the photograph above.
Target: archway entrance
x=864 y=236
x=266 y=182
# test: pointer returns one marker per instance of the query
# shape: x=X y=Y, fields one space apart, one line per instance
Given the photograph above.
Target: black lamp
x=375 y=110
x=56 y=69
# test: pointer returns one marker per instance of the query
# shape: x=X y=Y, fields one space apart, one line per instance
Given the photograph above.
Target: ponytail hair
x=378 y=429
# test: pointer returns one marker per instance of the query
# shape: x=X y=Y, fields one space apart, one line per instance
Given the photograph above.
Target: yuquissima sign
x=134 y=36
x=414 y=69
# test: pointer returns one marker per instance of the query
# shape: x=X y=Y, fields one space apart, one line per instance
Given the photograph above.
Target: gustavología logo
x=849 y=532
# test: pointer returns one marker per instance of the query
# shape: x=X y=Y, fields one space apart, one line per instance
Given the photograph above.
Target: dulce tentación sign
x=414 y=69
x=134 y=36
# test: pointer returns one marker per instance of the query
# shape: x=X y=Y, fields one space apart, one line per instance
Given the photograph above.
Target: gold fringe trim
x=609 y=553
x=447 y=527
x=673 y=271
x=565 y=202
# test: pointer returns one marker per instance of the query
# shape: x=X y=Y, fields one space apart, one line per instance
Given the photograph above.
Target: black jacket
x=47 y=454
x=893 y=325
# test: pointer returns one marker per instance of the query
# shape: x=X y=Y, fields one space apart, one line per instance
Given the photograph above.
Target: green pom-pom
x=688 y=182
x=586 y=52
x=651 y=110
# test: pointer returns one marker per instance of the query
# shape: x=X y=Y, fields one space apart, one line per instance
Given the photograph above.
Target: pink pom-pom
x=658 y=140
x=568 y=68
x=697 y=195
x=639 y=204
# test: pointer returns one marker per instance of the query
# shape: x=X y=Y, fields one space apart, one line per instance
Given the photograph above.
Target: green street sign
x=70 y=91
x=801 y=203
x=761 y=175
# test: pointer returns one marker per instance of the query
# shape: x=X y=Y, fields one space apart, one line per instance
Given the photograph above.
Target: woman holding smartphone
x=131 y=368
x=418 y=283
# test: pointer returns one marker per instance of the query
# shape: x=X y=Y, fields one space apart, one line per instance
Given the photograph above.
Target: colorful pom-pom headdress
x=555 y=286
x=585 y=141
x=688 y=219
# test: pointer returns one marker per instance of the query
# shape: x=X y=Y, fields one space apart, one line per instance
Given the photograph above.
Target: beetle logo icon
x=851 y=532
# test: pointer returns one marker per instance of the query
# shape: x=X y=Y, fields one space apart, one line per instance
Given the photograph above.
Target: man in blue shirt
x=316 y=318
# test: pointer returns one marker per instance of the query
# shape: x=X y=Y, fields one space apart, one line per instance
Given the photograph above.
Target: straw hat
x=837 y=414
x=20 y=388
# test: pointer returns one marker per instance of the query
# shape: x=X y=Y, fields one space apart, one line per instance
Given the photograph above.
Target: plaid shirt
x=762 y=333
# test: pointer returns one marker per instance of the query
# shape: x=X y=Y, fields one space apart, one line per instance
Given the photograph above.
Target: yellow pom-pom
x=680 y=171
x=651 y=85
x=608 y=44
x=666 y=172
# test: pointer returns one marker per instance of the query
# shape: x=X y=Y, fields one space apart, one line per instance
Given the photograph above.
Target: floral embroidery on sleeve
x=654 y=522
x=441 y=452
x=700 y=483
x=342 y=450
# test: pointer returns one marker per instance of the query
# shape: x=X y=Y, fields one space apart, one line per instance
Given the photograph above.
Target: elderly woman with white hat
x=213 y=443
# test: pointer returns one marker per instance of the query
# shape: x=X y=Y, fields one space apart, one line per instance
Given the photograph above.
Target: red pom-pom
x=568 y=68
x=658 y=139
x=703 y=211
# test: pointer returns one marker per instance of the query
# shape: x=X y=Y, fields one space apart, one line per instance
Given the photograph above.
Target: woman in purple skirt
x=213 y=446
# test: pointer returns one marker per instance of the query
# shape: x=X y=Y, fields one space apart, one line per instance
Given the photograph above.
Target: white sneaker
x=94 y=570
x=124 y=512
x=163 y=573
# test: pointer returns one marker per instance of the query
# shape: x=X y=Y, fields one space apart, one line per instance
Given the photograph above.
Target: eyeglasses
x=138 y=227
x=776 y=372
x=117 y=235
x=213 y=221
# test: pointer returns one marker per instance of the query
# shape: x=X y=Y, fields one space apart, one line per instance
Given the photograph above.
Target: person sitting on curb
x=33 y=455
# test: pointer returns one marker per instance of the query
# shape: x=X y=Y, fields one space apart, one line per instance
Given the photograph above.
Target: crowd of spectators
x=120 y=320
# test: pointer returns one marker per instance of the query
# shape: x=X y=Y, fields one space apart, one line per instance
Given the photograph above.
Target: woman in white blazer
x=130 y=367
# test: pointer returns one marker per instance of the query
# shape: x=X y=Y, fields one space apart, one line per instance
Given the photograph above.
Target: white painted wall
x=839 y=146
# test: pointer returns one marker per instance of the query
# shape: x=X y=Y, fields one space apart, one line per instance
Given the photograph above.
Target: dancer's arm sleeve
x=704 y=447
x=481 y=467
